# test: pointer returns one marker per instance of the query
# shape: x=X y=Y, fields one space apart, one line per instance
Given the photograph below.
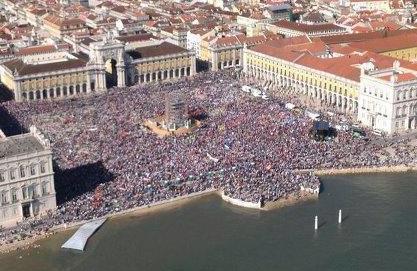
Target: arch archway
x=111 y=73
x=108 y=59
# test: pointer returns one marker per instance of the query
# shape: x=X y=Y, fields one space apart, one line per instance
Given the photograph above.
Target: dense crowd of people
x=250 y=148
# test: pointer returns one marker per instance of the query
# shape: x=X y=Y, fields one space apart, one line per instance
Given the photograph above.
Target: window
x=22 y=172
x=3 y=197
x=24 y=192
x=2 y=176
x=43 y=169
x=14 y=195
x=45 y=188
x=12 y=174
x=30 y=191
x=32 y=170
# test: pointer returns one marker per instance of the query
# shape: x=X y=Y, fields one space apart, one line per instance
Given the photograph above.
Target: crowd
x=251 y=148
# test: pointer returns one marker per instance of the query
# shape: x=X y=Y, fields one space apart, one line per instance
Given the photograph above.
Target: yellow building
x=161 y=62
x=226 y=51
x=330 y=74
x=401 y=46
x=359 y=5
x=59 y=26
x=32 y=80
x=60 y=74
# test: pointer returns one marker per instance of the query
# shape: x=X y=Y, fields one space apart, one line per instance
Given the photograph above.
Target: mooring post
x=316 y=223
x=340 y=217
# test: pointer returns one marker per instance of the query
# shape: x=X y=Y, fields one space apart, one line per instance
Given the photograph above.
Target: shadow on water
x=321 y=190
x=70 y=183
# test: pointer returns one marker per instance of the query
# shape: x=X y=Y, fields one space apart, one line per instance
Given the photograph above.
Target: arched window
x=45 y=188
x=43 y=167
x=22 y=170
x=24 y=192
x=32 y=169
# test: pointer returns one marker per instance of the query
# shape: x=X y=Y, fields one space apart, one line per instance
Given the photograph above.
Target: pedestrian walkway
x=81 y=236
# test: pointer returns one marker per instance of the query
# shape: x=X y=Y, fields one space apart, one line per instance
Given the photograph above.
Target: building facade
x=26 y=177
x=223 y=52
x=388 y=98
x=293 y=29
x=296 y=71
x=31 y=80
x=108 y=64
x=160 y=62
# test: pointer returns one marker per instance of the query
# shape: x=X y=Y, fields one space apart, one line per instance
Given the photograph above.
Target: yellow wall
x=164 y=64
x=8 y=81
x=405 y=54
x=308 y=76
x=205 y=52
x=48 y=82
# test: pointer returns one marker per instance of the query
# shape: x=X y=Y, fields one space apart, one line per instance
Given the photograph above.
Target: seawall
x=361 y=170
x=241 y=203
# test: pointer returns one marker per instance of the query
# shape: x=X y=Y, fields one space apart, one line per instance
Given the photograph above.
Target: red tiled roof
x=32 y=50
x=23 y=68
x=346 y=66
x=387 y=44
x=308 y=28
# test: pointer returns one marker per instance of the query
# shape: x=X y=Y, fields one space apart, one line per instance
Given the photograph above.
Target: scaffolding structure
x=176 y=113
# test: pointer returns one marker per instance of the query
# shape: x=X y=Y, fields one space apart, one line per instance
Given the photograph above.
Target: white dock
x=81 y=236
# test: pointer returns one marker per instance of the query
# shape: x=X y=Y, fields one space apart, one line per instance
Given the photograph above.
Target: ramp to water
x=81 y=236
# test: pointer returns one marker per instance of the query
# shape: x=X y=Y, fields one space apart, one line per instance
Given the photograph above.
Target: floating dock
x=81 y=236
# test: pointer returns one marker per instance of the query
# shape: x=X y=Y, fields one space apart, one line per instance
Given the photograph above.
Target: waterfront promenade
x=109 y=163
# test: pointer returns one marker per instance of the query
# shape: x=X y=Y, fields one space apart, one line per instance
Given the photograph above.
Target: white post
x=340 y=217
x=316 y=223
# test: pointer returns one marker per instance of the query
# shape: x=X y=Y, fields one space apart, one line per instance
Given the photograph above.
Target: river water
x=379 y=232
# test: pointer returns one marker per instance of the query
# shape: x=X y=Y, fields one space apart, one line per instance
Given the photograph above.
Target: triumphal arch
x=107 y=63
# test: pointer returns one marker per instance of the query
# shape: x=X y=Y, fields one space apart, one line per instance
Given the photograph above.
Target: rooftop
x=306 y=28
x=386 y=44
x=346 y=65
x=18 y=145
x=19 y=67
x=165 y=48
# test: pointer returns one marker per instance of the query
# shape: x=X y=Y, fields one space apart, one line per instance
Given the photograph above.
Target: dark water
x=379 y=233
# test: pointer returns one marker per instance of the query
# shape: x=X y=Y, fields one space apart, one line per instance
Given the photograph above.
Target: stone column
x=102 y=81
x=18 y=91
x=193 y=65
x=121 y=75
x=88 y=82
x=234 y=58
x=214 y=60
x=241 y=58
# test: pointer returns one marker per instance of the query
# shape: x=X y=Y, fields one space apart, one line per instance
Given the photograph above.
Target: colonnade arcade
x=56 y=92
x=272 y=79
x=161 y=75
